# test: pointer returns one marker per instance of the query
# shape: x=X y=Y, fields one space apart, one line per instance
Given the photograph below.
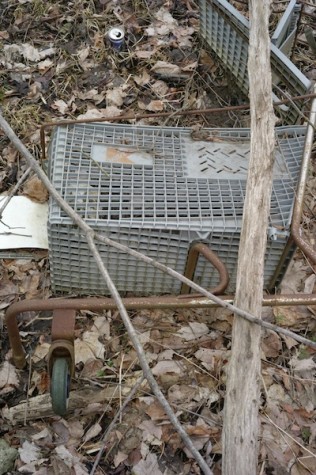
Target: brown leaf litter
x=57 y=64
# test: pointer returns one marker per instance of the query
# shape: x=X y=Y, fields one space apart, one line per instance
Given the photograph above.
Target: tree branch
x=167 y=270
x=12 y=192
x=120 y=247
x=109 y=429
x=142 y=357
x=89 y=234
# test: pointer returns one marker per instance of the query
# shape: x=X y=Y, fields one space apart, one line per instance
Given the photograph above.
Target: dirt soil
x=57 y=63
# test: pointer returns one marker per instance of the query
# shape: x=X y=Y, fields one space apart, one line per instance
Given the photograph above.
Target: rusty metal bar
x=299 y=199
x=195 y=250
x=159 y=114
x=98 y=304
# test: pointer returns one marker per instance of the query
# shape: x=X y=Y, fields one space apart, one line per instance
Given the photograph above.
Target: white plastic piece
x=24 y=224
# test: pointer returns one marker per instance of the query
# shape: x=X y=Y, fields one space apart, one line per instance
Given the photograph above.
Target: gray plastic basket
x=158 y=190
x=226 y=32
x=284 y=34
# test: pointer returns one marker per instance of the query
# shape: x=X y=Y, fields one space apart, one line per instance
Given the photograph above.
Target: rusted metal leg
x=193 y=255
x=18 y=353
x=63 y=328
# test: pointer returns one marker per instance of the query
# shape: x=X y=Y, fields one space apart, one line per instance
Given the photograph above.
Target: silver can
x=116 y=36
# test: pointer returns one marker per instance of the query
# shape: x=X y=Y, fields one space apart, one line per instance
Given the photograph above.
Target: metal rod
x=139 y=303
x=159 y=114
x=195 y=250
x=299 y=198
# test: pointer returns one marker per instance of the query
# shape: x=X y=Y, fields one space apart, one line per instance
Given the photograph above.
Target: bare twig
x=14 y=190
x=114 y=421
x=300 y=113
x=28 y=391
x=155 y=115
x=167 y=270
x=89 y=234
x=282 y=431
x=142 y=357
x=213 y=298
x=85 y=228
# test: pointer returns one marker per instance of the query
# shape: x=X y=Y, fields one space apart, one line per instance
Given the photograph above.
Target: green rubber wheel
x=60 y=385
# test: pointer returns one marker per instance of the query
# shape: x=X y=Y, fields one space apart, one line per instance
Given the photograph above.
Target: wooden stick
x=241 y=410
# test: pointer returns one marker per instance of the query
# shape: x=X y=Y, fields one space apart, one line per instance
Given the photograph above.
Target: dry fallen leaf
x=205 y=355
x=89 y=347
x=294 y=276
x=291 y=316
x=271 y=344
x=150 y=428
x=147 y=466
x=41 y=351
x=83 y=55
x=155 y=411
x=144 y=54
x=66 y=456
x=155 y=106
x=101 y=325
x=39 y=381
x=178 y=394
x=29 y=452
x=115 y=97
x=110 y=111
x=306 y=365
x=277 y=395
x=143 y=79
x=60 y=105
x=164 y=68
x=309 y=284
x=9 y=379
x=45 y=65
x=92 y=95
x=76 y=431
x=200 y=435
x=8 y=289
x=119 y=458
x=168 y=366
x=92 y=432
x=194 y=331
x=35 y=190
x=290 y=342
x=91 y=368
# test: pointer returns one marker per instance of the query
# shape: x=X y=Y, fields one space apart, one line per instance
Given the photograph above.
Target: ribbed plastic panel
x=73 y=268
x=158 y=190
x=226 y=32
x=284 y=33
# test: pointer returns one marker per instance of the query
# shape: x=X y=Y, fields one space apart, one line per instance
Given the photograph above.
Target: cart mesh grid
x=158 y=190
x=226 y=32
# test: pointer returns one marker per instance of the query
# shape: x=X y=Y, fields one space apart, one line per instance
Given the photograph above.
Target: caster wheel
x=60 y=386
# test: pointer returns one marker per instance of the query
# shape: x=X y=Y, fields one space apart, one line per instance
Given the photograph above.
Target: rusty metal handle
x=98 y=304
x=193 y=255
